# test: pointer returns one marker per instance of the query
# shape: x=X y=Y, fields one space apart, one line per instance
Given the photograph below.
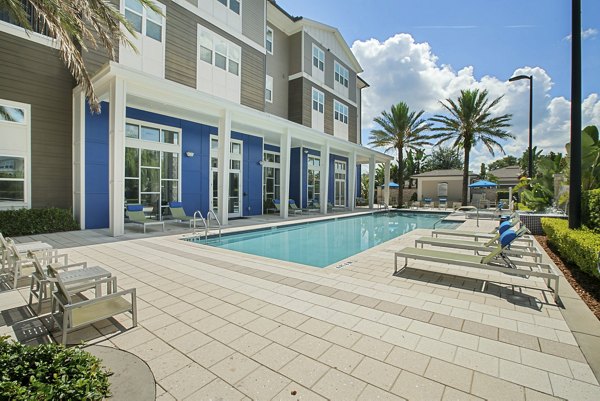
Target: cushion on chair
x=504 y=226
x=135 y=208
x=175 y=204
x=508 y=237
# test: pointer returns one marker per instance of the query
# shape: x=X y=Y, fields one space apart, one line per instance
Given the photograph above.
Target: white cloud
x=400 y=69
x=585 y=34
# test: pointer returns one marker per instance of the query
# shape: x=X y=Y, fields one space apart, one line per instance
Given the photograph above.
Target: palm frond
x=77 y=25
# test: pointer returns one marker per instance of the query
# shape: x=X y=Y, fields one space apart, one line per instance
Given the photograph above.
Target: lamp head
x=520 y=77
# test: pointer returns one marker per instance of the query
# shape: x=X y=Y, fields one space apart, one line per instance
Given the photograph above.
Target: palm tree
x=470 y=123
x=400 y=129
x=77 y=24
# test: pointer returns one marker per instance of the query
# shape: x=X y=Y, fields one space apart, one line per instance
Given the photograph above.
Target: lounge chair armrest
x=102 y=298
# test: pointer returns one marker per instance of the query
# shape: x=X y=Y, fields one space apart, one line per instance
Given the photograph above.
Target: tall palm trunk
x=465 y=188
x=400 y=176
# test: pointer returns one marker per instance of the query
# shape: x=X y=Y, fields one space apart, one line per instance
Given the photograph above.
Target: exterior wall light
x=189 y=153
x=261 y=162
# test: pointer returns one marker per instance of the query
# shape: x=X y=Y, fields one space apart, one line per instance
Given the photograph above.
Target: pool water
x=323 y=243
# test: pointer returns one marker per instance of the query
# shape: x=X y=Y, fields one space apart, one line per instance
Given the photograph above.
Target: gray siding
x=352 y=85
x=32 y=73
x=329 y=69
x=181 y=45
x=253 y=20
x=277 y=67
x=300 y=92
x=328 y=112
x=353 y=134
x=253 y=78
x=95 y=59
x=308 y=42
x=295 y=49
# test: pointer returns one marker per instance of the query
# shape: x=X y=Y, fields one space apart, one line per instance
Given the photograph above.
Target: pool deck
x=219 y=324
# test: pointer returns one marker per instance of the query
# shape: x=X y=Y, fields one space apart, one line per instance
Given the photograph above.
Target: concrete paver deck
x=216 y=323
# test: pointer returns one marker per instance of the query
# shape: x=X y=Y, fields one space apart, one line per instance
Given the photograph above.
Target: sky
x=421 y=52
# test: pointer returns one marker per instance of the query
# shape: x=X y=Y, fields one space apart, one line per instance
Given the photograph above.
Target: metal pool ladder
x=208 y=218
x=198 y=213
x=206 y=222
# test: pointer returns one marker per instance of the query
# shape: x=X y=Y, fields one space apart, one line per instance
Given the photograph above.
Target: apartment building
x=226 y=105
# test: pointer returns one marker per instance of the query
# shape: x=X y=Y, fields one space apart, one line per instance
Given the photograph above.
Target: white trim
x=325 y=158
x=78 y=163
x=285 y=150
x=182 y=101
x=224 y=27
x=23 y=33
x=320 y=85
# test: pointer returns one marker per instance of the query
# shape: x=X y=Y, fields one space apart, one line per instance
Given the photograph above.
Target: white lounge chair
x=22 y=247
x=76 y=277
x=496 y=260
x=20 y=265
x=488 y=246
x=71 y=314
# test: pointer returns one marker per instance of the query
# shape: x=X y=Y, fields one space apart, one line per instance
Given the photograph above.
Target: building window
x=341 y=74
x=152 y=175
x=12 y=114
x=318 y=58
x=12 y=179
x=15 y=154
x=227 y=56
x=269 y=40
x=36 y=24
x=234 y=5
x=340 y=112
x=318 y=100
x=269 y=89
x=144 y=20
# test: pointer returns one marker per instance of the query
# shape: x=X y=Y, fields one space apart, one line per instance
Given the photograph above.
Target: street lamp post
x=530 y=78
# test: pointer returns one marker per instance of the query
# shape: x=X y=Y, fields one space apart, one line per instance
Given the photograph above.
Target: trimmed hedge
x=15 y=223
x=50 y=372
x=590 y=209
x=581 y=247
x=501 y=195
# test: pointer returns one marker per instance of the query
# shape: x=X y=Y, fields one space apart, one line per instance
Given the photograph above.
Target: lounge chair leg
x=64 y=328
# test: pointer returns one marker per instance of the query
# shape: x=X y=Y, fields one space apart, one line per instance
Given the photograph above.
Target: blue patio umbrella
x=392 y=185
x=483 y=184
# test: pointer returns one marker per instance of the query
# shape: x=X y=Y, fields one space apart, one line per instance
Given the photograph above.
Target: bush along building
x=226 y=105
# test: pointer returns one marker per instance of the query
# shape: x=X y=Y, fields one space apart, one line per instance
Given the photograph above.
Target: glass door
x=271 y=180
x=235 y=179
x=150 y=182
x=313 y=184
x=234 y=203
x=339 y=198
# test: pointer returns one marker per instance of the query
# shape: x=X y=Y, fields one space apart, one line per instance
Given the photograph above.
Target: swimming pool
x=322 y=243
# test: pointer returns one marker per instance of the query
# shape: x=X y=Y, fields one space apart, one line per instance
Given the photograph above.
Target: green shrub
x=14 y=223
x=50 y=372
x=501 y=195
x=590 y=209
x=581 y=247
